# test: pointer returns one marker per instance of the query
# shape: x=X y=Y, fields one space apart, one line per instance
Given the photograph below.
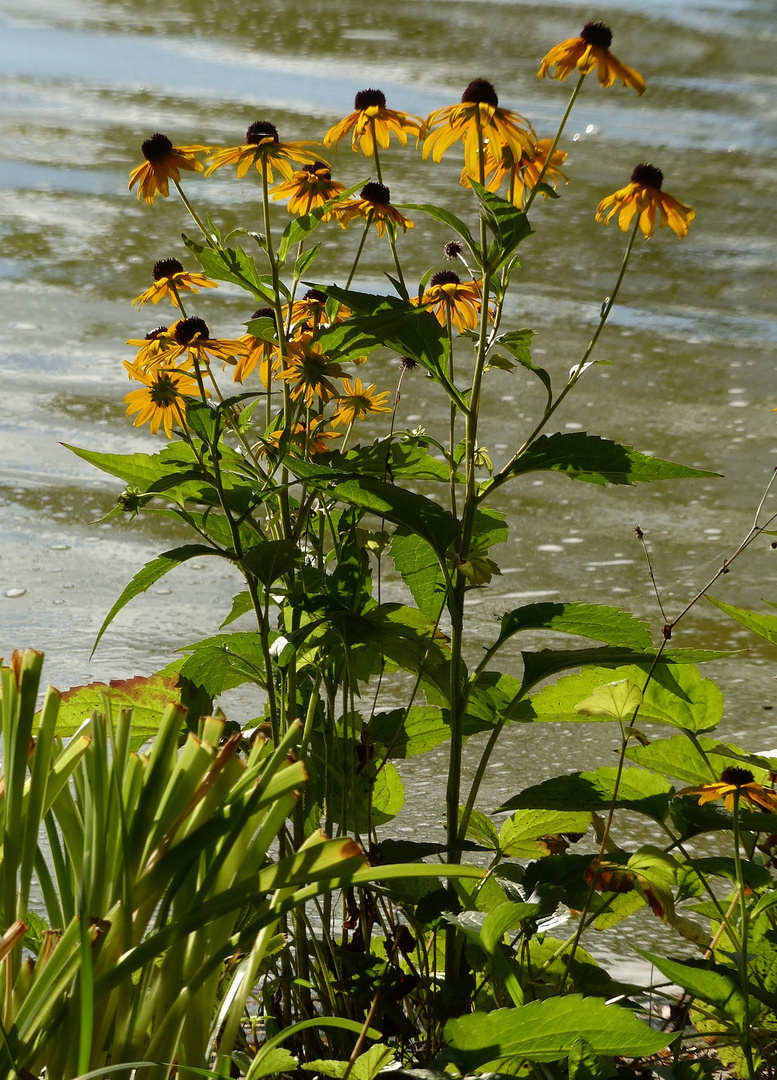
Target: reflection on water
x=691 y=342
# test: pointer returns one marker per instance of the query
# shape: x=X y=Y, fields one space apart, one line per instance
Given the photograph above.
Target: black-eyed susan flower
x=372 y=123
x=260 y=352
x=170 y=278
x=310 y=187
x=161 y=401
x=263 y=149
x=310 y=372
x=643 y=196
x=305 y=439
x=309 y=312
x=152 y=347
x=192 y=336
x=733 y=781
x=447 y=295
x=163 y=164
x=478 y=122
x=590 y=50
x=374 y=202
x=357 y=401
x=525 y=173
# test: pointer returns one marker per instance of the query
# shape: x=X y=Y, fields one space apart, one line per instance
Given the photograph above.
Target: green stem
x=551 y=152
x=744 y=927
x=453 y=409
x=505 y=472
x=205 y=232
x=367 y=224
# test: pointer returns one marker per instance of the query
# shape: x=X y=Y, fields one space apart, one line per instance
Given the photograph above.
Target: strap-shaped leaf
x=150 y=573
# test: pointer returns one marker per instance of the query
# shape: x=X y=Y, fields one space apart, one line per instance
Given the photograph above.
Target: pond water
x=691 y=341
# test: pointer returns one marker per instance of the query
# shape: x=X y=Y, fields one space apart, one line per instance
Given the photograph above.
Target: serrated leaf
x=521 y=835
x=638 y=790
x=271 y=559
x=241 y=605
x=547 y=1030
x=581 y=456
x=416 y=512
x=507 y=916
x=233 y=265
x=609 y=624
x=148 y=697
x=509 y=225
x=763 y=625
x=584 y=1062
x=618 y=700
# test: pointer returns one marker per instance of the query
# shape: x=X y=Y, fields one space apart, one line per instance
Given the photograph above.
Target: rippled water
x=691 y=340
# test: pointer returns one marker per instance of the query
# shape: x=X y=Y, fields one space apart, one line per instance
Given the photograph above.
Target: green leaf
x=305 y=261
x=507 y=916
x=608 y=624
x=598 y=461
x=716 y=985
x=263 y=328
x=518 y=342
x=763 y=625
x=618 y=700
x=233 y=265
x=241 y=605
x=639 y=790
x=271 y=559
x=481 y=829
x=584 y=1062
x=540 y=665
x=150 y=573
x=148 y=697
x=420 y=569
x=524 y=835
x=676 y=757
x=509 y=225
x=547 y=1030
x=406 y=733
x=224 y=661
x=439 y=213
x=415 y=512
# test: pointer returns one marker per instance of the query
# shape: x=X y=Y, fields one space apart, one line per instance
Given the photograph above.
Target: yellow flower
x=161 y=401
x=163 y=163
x=375 y=202
x=192 y=336
x=524 y=173
x=478 y=112
x=263 y=149
x=308 y=188
x=305 y=439
x=311 y=372
x=447 y=295
x=644 y=196
x=732 y=781
x=171 y=278
x=357 y=401
x=590 y=50
x=372 y=122
x=309 y=313
x=260 y=352
x=152 y=347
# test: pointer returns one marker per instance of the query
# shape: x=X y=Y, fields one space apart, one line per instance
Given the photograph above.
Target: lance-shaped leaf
x=608 y=624
x=509 y=225
x=420 y=568
x=422 y=516
x=150 y=573
x=439 y=213
x=233 y=265
x=763 y=625
x=711 y=983
x=598 y=461
x=547 y=1030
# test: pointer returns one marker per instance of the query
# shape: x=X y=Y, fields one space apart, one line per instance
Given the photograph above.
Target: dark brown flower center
x=261 y=131
x=445 y=277
x=365 y=98
x=152 y=335
x=597 y=34
x=480 y=92
x=317 y=295
x=166 y=268
x=156 y=148
x=376 y=193
x=452 y=249
x=263 y=313
x=163 y=392
x=736 y=776
x=318 y=167
x=186 y=330
x=407 y=363
x=648 y=175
